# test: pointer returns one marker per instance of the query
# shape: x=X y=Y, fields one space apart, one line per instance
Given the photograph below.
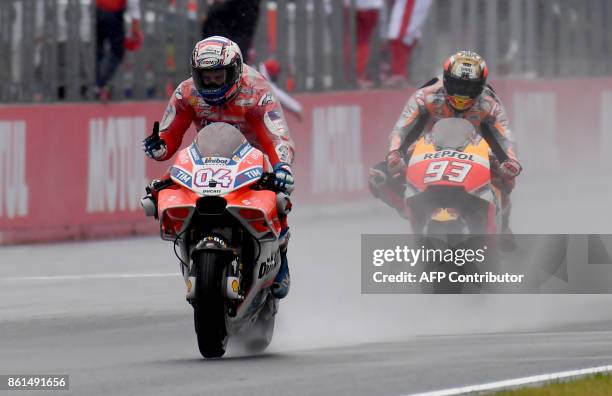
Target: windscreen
x=452 y=133
x=219 y=140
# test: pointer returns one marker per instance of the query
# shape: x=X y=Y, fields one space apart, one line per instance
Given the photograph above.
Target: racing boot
x=507 y=240
x=282 y=282
x=388 y=191
x=280 y=287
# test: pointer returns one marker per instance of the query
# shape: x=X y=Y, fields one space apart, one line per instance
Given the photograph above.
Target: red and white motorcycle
x=219 y=206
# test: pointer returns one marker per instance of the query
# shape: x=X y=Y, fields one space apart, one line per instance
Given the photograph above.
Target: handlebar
x=158 y=185
x=267 y=182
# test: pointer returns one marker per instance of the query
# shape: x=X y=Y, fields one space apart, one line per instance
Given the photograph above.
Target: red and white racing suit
x=254 y=111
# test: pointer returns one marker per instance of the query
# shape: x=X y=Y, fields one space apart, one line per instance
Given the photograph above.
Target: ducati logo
x=266 y=267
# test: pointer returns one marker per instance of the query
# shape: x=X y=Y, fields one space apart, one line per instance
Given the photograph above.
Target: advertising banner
x=74 y=171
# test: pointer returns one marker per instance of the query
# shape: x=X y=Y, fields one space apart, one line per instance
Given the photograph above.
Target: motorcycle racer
x=461 y=92
x=224 y=89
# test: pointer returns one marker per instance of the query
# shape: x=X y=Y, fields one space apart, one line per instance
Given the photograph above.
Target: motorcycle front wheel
x=209 y=305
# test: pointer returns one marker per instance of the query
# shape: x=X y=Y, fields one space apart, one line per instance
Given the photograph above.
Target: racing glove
x=283 y=178
x=510 y=168
x=395 y=163
x=153 y=146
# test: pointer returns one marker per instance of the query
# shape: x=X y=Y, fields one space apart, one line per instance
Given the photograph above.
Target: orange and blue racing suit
x=428 y=105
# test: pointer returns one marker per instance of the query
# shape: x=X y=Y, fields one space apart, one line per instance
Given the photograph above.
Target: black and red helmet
x=465 y=76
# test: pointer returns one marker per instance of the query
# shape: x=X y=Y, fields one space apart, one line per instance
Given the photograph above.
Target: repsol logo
x=14 y=191
x=266 y=266
x=116 y=164
x=449 y=154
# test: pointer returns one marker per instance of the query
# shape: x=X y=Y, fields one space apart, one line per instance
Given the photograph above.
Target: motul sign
x=13 y=187
x=116 y=176
x=337 y=164
x=78 y=170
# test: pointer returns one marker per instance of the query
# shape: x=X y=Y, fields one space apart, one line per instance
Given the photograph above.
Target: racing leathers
x=424 y=108
x=254 y=111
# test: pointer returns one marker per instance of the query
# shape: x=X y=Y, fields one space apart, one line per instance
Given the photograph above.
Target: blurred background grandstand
x=47 y=51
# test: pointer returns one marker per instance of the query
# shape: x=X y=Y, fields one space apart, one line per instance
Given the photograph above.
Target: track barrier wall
x=77 y=171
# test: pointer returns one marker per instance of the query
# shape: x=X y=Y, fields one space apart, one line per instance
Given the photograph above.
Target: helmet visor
x=461 y=87
x=211 y=79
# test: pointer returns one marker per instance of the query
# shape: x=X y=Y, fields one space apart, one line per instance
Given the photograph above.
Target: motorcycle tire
x=261 y=332
x=209 y=305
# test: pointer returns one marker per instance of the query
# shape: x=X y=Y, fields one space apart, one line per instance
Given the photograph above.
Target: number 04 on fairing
x=219 y=206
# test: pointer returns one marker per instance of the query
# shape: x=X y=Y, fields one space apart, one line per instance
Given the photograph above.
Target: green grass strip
x=597 y=385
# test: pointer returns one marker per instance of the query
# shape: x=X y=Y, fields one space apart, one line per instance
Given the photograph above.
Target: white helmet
x=216 y=68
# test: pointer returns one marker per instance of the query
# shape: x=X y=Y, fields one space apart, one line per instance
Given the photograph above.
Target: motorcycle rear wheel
x=261 y=332
x=451 y=232
x=209 y=306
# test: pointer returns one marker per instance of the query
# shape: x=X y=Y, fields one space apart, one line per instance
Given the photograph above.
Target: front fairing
x=217 y=176
x=449 y=163
x=451 y=154
x=231 y=178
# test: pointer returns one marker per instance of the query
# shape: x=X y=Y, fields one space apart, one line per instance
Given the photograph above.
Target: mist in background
x=535 y=50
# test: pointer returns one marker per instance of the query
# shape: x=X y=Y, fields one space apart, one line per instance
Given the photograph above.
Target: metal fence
x=47 y=46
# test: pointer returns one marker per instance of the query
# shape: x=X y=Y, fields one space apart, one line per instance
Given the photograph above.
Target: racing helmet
x=216 y=69
x=465 y=76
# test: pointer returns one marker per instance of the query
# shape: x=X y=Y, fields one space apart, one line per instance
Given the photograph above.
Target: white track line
x=517 y=382
x=83 y=277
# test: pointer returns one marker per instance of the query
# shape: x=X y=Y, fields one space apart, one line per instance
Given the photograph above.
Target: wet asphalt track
x=156 y=355
x=134 y=336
